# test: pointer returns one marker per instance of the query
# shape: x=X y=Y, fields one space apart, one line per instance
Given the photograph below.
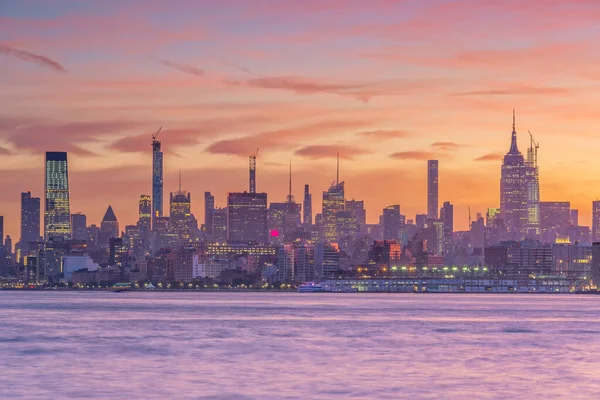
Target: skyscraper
x=110 y=225
x=145 y=213
x=30 y=218
x=79 y=225
x=307 y=217
x=157 y=178
x=432 y=189
x=513 y=190
x=532 y=188
x=247 y=218
x=209 y=208
x=180 y=214
x=57 y=213
x=447 y=217
x=596 y=221
x=333 y=202
x=391 y=221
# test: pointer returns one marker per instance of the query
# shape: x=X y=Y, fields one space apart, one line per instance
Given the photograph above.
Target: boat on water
x=310 y=287
x=120 y=287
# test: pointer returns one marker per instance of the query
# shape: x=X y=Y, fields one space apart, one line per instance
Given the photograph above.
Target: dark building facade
x=247 y=218
x=30 y=218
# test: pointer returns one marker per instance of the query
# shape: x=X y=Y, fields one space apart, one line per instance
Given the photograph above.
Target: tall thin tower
x=432 y=189
x=157 y=178
x=252 y=180
x=307 y=219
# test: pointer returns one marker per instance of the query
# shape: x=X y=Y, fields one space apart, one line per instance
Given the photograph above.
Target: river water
x=58 y=345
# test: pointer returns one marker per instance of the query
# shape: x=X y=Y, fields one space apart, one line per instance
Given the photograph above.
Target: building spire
x=337 y=174
x=179 y=180
x=514 y=149
x=514 y=120
x=290 y=197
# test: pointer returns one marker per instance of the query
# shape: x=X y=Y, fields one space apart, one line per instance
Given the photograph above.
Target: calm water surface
x=297 y=346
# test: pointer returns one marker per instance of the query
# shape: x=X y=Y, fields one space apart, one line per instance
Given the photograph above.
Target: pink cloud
x=330 y=151
x=41 y=60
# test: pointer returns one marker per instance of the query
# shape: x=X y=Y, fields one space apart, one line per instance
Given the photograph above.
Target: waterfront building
x=432 y=189
x=572 y=260
x=74 y=263
x=285 y=263
x=304 y=262
x=524 y=258
x=57 y=212
x=247 y=218
x=327 y=260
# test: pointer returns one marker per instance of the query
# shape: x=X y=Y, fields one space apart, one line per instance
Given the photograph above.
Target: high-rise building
x=447 y=218
x=1 y=233
x=391 y=222
x=247 y=218
x=333 y=202
x=209 y=208
x=574 y=217
x=432 y=189
x=79 y=225
x=555 y=218
x=110 y=225
x=304 y=263
x=532 y=188
x=30 y=218
x=357 y=208
x=513 y=190
x=57 y=213
x=596 y=221
x=307 y=217
x=181 y=215
x=145 y=213
x=220 y=224
x=157 y=178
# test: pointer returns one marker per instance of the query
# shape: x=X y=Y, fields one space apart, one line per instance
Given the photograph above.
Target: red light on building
x=274 y=233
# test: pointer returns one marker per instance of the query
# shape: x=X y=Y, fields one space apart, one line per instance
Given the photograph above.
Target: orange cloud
x=490 y=157
x=382 y=134
x=282 y=138
x=447 y=146
x=414 y=155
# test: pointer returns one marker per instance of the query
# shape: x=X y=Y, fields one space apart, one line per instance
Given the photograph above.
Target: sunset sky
x=388 y=84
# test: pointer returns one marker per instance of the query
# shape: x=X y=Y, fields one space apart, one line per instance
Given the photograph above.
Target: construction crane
x=533 y=150
x=469 y=217
x=155 y=135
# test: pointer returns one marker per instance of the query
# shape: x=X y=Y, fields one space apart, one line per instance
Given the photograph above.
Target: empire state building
x=513 y=190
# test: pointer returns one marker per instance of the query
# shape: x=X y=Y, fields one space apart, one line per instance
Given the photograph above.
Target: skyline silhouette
x=387 y=92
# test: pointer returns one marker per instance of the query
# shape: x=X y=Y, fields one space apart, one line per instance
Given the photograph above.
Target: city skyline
x=218 y=106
